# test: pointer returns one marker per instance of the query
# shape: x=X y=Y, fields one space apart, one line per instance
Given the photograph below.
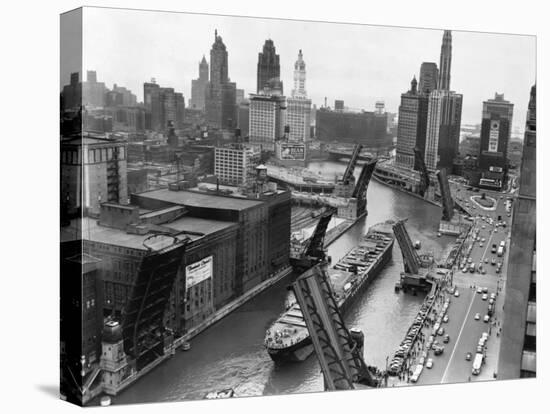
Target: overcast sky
x=357 y=63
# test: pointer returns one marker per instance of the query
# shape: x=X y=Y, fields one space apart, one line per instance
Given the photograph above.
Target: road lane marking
x=458 y=337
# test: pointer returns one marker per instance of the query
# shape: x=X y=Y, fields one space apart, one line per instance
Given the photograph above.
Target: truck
x=476 y=366
x=500 y=251
x=417 y=372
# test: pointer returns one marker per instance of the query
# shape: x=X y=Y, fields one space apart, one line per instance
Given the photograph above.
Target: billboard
x=197 y=272
x=493 y=136
x=293 y=152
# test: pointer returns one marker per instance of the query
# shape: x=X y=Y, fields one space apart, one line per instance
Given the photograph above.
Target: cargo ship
x=288 y=338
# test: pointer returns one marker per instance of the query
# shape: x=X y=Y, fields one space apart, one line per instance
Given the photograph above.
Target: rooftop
x=94 y=232
x=198 y=199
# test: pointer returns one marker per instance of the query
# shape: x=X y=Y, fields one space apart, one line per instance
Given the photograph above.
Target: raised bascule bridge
x=418 y=273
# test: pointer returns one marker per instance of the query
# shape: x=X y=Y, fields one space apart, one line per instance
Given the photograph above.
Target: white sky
x=357 y=63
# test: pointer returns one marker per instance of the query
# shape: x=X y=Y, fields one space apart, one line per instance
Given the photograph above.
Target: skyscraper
x=444 y=115
x=444 y=82
x=518 y=343
x=198 y=86
x=267 y=116
x=428 y=77
x=496 y=126
x=162 y=105
x=298 y=109
x=268 y=65
x=411 y=127
x=221 y=93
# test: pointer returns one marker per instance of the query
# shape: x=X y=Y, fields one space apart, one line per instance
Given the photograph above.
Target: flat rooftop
x=93 y=232
x=198 y=199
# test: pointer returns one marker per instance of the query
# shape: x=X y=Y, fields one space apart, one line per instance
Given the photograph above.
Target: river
x=231 y=353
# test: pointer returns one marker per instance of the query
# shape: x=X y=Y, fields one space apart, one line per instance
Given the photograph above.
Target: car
x=491 y=301
x=425 y=354
x=446 y=318
x=476 y=316
x=446 y=339
x=497 y=269
x=485 y=290
x=468 y=356
x=441 y=331
x=487 y=260
x=456 y=294
x=496 y=230
x=429 y=363
x=486 y=318
x=480 y=244
x=470 y=259
x=479 y=290
x=438 y=350
x=421 y=360
x=493 y=296
x=493 y=262
x=465 y=270
x=485 y=335
x=483 y=226
x=483 y=271
x=483 y=239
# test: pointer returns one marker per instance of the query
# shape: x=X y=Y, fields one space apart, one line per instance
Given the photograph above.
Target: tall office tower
x=443 y=129
x=267 y=118
x=221 y=93
x=428 y=77
x=299 y=90
x=268 y=65
x=444 y=115
x=198 y=86
x=518 y=340
x=496 y=126
x=445 y=62
x=411 y=127
x=298 y=106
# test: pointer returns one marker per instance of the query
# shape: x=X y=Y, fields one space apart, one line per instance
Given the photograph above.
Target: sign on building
x=493 y=136
x=198 y=272
x=293 y=152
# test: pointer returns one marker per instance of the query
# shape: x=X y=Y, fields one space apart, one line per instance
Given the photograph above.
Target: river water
x=231 y=354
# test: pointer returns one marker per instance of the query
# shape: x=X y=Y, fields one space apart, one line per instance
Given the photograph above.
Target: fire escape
x=113 y=181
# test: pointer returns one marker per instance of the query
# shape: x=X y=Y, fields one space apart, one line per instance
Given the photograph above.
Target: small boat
x=417 y=245
x=105 y=401
x=186 y=346
x=214 y=395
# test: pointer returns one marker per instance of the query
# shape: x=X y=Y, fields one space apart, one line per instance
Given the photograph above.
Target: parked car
x=479 y=290
x=446 y=318
x=446 y=339
x=441 y=331
x=486 y=318
x=430 y=363
x=476 y=316
x=468 y=356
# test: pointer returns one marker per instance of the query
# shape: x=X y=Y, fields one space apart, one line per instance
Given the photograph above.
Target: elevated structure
x=360 y=190
x=424 y=175
x=338 y=353
x=411 y=260
x=344 y=187
x=446 y=198
x=315 y=244
x=416 y=275
x=142 y=324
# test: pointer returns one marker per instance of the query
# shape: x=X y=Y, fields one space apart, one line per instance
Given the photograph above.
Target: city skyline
x=361 y=68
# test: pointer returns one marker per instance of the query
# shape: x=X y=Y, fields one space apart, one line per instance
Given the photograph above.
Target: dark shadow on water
x=49 y=389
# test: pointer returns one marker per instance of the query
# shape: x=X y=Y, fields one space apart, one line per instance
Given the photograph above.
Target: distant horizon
x=131 y=48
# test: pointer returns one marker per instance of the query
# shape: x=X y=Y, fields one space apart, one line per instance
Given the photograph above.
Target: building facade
x=411 y=126
x=267 y=118
x=444 y=115
x=518 y=343
x=162 y=105
x=496 y=125
x=235 y=165
x=429 y=75
x=198 y=86
x=93 y=171
x=352 y=127
x=268 y=65
x=443 y=129
x=221 y=93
